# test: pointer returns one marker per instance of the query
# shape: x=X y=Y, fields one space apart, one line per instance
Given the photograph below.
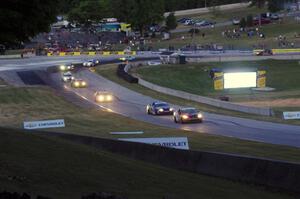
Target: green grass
x=30 y=104
x=60 y=169
x=283 y=75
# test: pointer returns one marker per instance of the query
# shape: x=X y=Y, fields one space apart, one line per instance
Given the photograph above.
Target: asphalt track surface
x=132 y=104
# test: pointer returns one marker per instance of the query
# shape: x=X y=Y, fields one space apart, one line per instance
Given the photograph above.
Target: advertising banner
x=44 y=124
x=171 y=142
x=291 y=115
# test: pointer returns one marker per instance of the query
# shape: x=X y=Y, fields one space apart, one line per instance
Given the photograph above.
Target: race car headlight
x=83 y=83
x=109 y=98
x=72 y=77
x=161 y=110
x=199 y=115
x=62 y=67
x=76 y=84
x=185 y=117
x=100 y=98
x=171 y=109
x=65 y=78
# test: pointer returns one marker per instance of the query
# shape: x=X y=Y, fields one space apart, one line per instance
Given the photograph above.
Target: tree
x=273 y=6
x=20 y=20
x=249 y=20
x=259 y=3
x=88 y=11
x=243 y=23
x=145 y=12
x=171 y=21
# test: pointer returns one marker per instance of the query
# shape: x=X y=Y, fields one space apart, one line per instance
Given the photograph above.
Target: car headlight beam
x=199 y=115
x=185 y=117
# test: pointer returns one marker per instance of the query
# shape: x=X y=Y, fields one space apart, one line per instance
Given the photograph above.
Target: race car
x=264 y=52
x=127 y=58
x=103 y=96
x=159 y=108
x=79 y=83
x=66 y=67
x=91 y=63
x=67 y=77
x=183 y=115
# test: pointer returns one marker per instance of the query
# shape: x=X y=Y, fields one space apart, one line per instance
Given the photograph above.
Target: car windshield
x=161 y=104
x=189 y=111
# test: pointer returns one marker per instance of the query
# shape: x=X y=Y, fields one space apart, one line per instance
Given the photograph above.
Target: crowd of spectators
x=76 y=39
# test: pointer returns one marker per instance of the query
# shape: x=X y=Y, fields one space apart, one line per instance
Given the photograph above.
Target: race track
x=132 y=104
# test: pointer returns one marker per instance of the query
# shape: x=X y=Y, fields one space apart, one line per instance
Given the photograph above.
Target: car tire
x=148 y=112
x=175 y=120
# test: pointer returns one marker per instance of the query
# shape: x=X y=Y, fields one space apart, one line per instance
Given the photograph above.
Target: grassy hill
x=51 y=167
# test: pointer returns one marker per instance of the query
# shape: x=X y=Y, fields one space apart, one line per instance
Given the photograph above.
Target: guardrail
x=201 y=99
x=273 y=174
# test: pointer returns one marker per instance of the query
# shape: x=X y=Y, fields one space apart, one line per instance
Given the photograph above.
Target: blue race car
x=159 y=108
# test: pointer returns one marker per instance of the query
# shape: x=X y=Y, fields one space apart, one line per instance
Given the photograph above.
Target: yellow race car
x=79 y=83
x=103 y=96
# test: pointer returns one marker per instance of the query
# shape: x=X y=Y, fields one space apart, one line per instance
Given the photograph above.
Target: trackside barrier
x=91 y=53
x=279 y=51
x=106 y=53
x=204 y=100
x=122 y=72
x=279 y=175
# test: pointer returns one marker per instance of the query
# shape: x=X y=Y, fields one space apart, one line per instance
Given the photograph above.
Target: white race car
x=67 y=77
x=91 y=63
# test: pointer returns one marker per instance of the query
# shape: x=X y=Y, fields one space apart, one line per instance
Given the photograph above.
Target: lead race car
x=159 y=108
x=184 y=115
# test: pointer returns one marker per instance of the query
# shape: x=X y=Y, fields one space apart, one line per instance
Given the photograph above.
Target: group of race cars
x=182 y=115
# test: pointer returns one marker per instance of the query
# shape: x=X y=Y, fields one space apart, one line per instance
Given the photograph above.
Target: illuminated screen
x=240 y=80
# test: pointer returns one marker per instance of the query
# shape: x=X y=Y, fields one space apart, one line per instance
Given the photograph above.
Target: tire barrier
x=126 y=76
x=278 y=175
x=90 y=53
